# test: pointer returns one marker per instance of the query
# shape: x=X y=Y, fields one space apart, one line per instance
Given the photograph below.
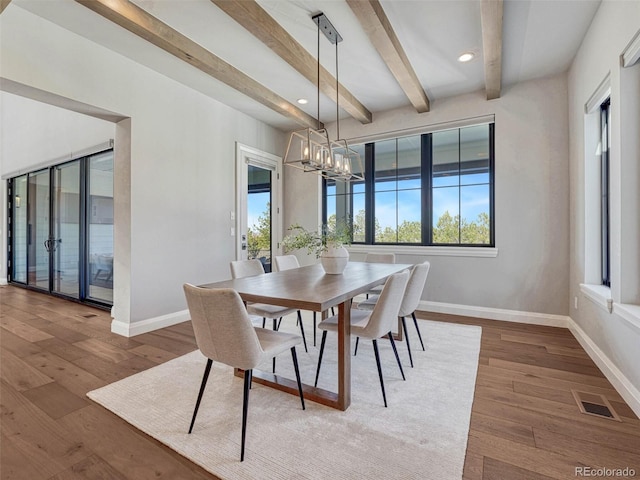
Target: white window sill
x=598 y=294
x=484 y=252
x=631 y=313
x=601 y=296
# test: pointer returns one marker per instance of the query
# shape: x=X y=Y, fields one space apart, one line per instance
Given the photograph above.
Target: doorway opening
x=61 y=229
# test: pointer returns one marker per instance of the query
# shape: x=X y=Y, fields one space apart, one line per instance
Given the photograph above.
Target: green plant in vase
x=326 y=243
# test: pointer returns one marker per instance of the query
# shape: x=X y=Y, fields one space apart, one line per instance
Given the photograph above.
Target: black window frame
x=605 y=238
x=426 y=195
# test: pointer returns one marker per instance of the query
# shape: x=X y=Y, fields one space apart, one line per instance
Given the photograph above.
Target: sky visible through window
x=256 y=206
x=472 y=198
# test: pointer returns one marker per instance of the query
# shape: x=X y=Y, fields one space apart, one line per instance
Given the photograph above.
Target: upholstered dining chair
x=410 y=302
x=289 y=262
x=249 y=268
x=374 y=324
x=224 y=334
x=379 y=258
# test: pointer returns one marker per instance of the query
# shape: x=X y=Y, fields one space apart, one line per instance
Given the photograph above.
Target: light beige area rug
x=421 y=435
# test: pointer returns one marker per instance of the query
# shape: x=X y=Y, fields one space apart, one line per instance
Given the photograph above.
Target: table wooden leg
x=340 y=400
x=344 y=355
x=398 y=336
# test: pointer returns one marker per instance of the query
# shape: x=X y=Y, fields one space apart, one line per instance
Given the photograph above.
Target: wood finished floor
x=524 y=425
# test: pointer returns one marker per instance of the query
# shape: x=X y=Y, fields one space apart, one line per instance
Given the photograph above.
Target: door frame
x=246 y=155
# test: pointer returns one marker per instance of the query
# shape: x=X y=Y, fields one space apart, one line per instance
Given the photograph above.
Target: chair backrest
x=385 y=313
x=380 y=258
x=222 y=327
x=285 y=262
x=415 y=287
x=246 y=268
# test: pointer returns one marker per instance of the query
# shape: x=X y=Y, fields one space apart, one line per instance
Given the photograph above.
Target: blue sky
x=447 y=196
x=256 y=205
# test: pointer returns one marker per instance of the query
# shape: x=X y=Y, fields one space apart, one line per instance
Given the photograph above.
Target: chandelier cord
x=337 y=95
x=318 y=77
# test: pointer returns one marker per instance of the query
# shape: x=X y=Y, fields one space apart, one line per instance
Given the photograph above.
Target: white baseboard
x=4 y=281
x=148 y=325
x=621 y=383
x=532 y=318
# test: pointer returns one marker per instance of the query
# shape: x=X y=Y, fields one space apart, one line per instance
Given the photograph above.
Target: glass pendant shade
x=347 y=163
x=308 y=150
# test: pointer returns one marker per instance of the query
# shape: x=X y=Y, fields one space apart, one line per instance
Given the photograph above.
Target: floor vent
x=593 y=404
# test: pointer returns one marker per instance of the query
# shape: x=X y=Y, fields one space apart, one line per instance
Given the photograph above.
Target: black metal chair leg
x=245 y=409
x=324 y=339
x=264 y=321
x=395 y=350
x=355 y=352
x=406 y=335
x=304 y=340
x=415 y=322
x=375 y=350
x=314 y=329
x=279 y=322
x=250 y=373
x=295 y=366
x=207 y=369
x=275 y=327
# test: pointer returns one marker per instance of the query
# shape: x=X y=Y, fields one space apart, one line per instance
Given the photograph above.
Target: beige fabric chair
x=410 y=302
x=250 y=268
x=289 y=262
x=286 y=262
x=224 y=334
x=374 y=324
x=379 y=258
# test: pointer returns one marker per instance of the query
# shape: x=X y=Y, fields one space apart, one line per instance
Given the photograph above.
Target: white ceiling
x=540 y=39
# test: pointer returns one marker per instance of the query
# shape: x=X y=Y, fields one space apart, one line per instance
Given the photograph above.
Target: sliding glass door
x=39 y=214
x=64 y=244
x=61 y=231
x=19 y=233
x=100 y=227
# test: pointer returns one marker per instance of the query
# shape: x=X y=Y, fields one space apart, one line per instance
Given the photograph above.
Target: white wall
x=530 y=272
x=617 y=339
x=182 y=149
x=34 y=132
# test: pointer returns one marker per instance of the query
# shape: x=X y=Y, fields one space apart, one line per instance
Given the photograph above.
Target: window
x=429 y=189
x=605 y=140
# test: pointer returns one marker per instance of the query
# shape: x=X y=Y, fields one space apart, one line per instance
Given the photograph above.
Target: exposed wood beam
x=371 y=16
x=3 y=4
x=257 y=21
x=138 y=21
x=491 y=14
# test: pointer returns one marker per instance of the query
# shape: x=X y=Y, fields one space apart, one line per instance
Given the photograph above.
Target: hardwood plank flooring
x=524 y=423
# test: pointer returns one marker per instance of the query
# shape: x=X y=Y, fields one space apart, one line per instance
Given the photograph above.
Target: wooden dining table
x=310 y=288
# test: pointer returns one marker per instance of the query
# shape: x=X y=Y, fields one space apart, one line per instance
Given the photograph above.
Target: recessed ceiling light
x=466 y=57
x=303 y=101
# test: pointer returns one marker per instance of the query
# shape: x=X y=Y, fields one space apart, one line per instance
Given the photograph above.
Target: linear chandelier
x=310 y=149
